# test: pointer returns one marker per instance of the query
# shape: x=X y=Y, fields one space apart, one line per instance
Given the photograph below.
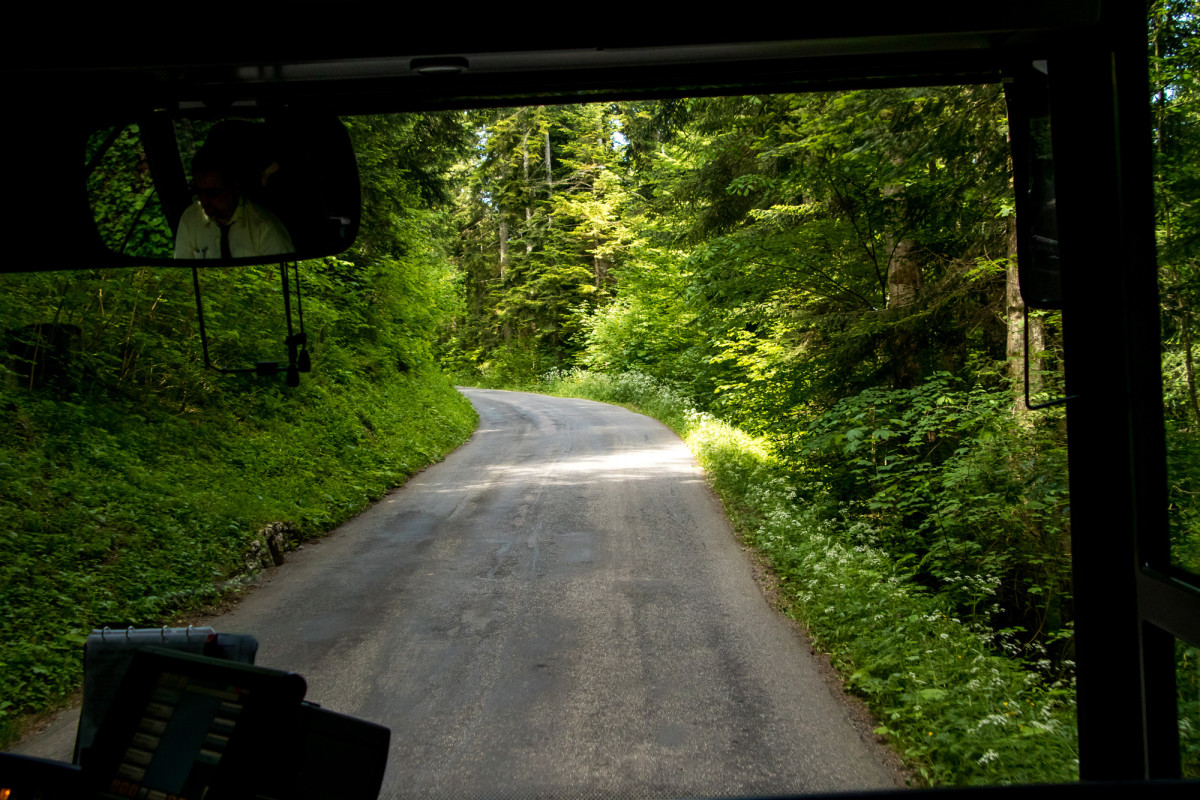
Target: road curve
x=558 y=609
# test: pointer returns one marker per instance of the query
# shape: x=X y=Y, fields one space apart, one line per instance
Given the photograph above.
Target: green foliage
x=944 y=696
x=123 y=198
x=975 y=499
x=751 y=241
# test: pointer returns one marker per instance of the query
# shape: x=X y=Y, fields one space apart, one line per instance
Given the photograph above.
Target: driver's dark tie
x=225 y=251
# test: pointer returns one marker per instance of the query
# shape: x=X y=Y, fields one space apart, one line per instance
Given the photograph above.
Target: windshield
x=815 y=293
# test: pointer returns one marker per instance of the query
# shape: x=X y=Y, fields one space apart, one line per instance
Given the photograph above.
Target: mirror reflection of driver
x=223 y=222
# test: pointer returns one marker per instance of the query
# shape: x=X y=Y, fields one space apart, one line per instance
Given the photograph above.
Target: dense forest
x=817 y=291
x=834 y=275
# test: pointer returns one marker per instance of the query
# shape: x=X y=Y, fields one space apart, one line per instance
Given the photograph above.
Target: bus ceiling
x=333 y=61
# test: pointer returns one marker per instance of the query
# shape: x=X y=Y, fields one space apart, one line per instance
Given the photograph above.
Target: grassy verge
x=121 y=512
x=956 y=709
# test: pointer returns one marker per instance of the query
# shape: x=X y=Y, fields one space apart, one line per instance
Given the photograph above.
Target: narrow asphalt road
x=559 y=609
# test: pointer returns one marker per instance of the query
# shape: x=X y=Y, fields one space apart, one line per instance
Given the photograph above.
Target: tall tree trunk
x=1160 y=113
x=1015 y=319
x=1189 y=364
x=506 y=329
x=904 y=274
x=528 y=194
x=549 y=175
x=503 y=246
x=600 y=267
x=903 y=286
x=903 y=271
x=904 y=282
x=599 y=263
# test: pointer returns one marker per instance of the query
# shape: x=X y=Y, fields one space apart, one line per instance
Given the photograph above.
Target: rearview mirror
x=174 y=190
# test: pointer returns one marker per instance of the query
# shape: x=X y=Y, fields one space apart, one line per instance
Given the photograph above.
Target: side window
x=1175 y=90
x=1174 y=52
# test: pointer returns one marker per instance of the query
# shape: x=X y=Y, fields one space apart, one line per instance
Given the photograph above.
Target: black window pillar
x=1102 y=160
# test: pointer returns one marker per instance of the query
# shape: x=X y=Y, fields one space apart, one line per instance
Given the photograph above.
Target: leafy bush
x=950 y=478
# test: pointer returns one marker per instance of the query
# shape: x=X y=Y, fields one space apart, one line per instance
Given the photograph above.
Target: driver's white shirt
x=254 y=231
